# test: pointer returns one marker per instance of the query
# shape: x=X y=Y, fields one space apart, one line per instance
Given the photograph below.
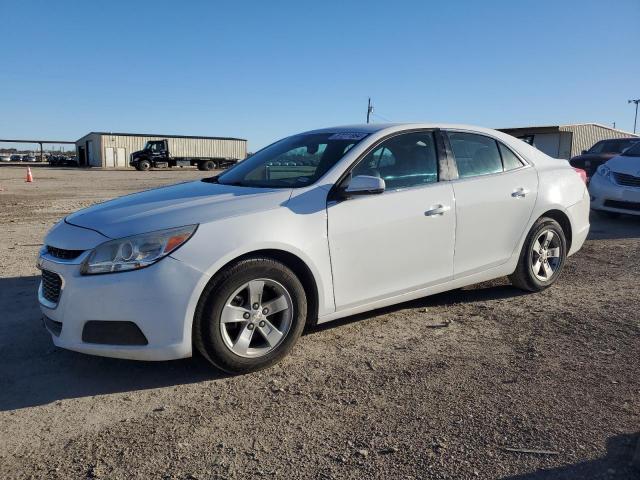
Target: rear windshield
x=634 y=151
x=293 y=162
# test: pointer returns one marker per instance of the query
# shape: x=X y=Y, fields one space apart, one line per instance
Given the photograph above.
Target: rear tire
x=542 y=257
x=232 y=333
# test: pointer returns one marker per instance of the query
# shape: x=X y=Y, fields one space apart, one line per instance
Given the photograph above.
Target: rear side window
x=475 y=155
x=509 y=159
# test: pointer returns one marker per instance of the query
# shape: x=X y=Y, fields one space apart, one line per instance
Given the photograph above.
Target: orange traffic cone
x=29 y=176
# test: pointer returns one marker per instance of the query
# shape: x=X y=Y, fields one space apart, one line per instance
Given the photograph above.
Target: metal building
x=566 y=141
x=112 y=150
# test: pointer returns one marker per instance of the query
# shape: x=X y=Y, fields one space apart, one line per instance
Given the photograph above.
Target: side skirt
x=493 y=273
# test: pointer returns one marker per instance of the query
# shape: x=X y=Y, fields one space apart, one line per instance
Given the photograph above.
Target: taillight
x=582 y=173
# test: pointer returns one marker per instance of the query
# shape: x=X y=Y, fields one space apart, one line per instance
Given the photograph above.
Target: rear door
x=495 y=195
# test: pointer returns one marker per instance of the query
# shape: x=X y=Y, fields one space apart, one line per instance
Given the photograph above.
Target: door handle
x=437 y=210
x=519 y=193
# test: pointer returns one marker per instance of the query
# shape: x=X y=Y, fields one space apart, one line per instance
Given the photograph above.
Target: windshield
x=633 y=151
x=293 y=162
x=611 y=146
x=154 y=146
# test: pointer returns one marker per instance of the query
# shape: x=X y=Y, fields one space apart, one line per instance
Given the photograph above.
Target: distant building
x=566 y=141
x=112 y=150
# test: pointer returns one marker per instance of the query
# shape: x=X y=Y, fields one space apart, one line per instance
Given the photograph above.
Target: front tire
x=144 y=165
x=542 y=257
x=250 y=316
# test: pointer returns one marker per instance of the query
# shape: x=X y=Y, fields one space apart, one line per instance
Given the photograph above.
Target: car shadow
x=605 y=228
x=616 y=463
x=35 y=372
x=492 y=290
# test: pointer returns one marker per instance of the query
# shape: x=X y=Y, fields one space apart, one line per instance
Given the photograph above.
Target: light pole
x=635 y=121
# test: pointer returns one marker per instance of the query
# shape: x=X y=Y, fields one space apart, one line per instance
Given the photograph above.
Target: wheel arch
x=292 y=261
x=563 y=219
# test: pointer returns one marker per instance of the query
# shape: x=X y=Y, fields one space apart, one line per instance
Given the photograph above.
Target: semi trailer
x=205 y=153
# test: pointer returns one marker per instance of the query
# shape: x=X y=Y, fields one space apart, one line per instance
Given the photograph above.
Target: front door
x=398 y=241
x=495 y=196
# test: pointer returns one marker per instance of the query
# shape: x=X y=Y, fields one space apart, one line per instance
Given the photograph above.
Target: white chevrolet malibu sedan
x=314 y=227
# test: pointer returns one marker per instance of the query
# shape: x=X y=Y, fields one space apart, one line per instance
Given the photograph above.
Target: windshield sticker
x=348 y=136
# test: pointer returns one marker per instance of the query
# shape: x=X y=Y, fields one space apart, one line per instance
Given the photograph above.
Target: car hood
x=177 y=205
x=622 y=164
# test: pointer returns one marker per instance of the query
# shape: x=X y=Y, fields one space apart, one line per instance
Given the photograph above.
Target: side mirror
x=584 y=152
x=365 y=185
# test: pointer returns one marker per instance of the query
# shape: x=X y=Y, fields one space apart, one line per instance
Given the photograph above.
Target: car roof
x=379 y=130
x=378 y=127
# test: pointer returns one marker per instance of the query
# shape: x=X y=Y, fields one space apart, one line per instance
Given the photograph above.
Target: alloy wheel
x=546 y=255
x=256 y=318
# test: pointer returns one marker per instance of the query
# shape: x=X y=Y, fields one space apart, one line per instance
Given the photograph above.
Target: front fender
x=220 y=242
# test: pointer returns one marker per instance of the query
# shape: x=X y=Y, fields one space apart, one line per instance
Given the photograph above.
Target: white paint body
x=364 y=253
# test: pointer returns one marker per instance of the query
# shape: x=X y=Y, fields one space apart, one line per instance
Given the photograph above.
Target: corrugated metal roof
x=582 y=136
x=118 y=134
x=568 y=127
x=585 y=135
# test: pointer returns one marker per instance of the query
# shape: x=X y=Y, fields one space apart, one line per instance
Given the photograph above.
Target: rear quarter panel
x=561 y=188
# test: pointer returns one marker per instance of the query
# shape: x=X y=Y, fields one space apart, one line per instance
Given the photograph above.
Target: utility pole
x=370 y=109
x=635 y=121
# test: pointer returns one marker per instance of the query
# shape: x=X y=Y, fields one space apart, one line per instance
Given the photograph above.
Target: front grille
x=51 y=286
x=62 y=253
x=626 y=180
x=622 y=205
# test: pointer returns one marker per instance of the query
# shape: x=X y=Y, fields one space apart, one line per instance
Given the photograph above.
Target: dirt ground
x=379 y=395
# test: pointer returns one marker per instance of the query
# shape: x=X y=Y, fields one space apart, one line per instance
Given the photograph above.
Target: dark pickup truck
x=602 y=151
x=158 y=154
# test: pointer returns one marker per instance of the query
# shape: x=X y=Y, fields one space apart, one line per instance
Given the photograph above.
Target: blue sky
x=262 y=70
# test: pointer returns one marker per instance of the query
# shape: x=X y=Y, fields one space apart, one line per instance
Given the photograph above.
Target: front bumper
x=156 y=299
x=610 y=197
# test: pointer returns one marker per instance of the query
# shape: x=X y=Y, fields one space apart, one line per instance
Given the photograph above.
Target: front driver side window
x=403 y=161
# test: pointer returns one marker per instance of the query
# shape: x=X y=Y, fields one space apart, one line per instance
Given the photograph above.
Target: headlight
x=133 y=253
x=604 y=171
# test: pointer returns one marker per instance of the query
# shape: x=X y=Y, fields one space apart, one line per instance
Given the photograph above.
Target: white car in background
x=615 y=188
x=5 y=158
x=314 y=227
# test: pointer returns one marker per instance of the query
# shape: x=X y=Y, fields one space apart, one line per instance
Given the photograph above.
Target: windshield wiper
x=235 y=184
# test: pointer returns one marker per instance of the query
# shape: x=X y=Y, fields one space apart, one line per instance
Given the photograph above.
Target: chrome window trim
x=526 y=163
